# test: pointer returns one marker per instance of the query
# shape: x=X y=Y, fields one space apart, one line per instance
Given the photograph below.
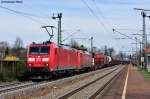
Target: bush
x=1 y=77
x=21 y=66
x=8 y=74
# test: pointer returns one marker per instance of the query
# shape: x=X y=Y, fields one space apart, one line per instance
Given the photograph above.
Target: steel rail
x=12 y=88
x=97 y=92
x=15 y=86
x=9 y=84
x=67 y=95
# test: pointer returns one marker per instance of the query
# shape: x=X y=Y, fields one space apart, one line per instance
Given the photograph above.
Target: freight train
x=47 y=60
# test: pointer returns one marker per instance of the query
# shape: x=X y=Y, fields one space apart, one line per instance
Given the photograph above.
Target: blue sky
x=111 y=13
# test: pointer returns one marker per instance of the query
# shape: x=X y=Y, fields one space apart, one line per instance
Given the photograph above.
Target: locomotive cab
x=38 y=56
x=39 y=61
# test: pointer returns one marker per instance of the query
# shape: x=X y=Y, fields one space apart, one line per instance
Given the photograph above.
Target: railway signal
x=59 y=16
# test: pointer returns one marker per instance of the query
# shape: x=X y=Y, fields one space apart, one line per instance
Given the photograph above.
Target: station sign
x=142 y=59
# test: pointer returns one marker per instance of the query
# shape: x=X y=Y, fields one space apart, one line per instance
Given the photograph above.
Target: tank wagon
x=101 y=60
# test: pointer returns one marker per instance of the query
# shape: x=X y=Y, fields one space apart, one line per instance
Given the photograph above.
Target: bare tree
x=82 y=47
x=111 y=51
x=18 y=43
x=18 y=46
x=121 y=55
x=4 y=49
x=74 y=44
x=106 y=50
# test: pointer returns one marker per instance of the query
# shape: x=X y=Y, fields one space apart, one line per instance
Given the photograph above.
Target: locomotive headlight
x=46 y=64
x=45 y=59
x=31 y=59
x=29 y=65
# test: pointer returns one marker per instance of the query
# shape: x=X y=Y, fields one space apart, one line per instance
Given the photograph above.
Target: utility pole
x=136 y=49
x=92 y=46
x=144 y=37
x=93 y=54
x=59 y=16
x=140 y=54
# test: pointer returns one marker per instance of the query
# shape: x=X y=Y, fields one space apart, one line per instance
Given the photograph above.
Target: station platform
x=137 y=86
x=130 y=85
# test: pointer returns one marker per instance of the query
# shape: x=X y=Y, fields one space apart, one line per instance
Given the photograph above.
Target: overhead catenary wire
x=114 y=30
x=37 y=10
x=26 y=15
x=95 y=15
x=129 y=29
x=100 y=13
x=70 y=35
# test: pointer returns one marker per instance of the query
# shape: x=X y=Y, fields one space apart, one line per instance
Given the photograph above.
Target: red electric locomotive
x=47 y=59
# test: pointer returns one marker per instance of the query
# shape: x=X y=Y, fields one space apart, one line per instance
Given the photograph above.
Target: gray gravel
x=57 y=91
x=86 y=92
x=53 y=89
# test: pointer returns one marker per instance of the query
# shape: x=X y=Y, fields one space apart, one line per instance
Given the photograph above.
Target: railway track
x=9 y=84
x=92 y=89
x=9 y=87
x=15 y=86
x=11 y=90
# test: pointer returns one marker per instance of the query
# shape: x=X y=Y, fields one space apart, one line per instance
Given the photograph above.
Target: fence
x=9 y=70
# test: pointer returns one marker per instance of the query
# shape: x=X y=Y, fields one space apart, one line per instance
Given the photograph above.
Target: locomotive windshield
x=44 y=50
x=34 y=50
x=39 y=50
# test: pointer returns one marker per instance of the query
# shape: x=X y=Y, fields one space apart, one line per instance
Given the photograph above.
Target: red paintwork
x=59 y=58
x=100 y=59
x=148 y=50
x=38 y=58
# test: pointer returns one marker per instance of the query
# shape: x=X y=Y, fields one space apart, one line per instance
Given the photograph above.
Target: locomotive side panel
x=85 y=60
x=66 y=59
